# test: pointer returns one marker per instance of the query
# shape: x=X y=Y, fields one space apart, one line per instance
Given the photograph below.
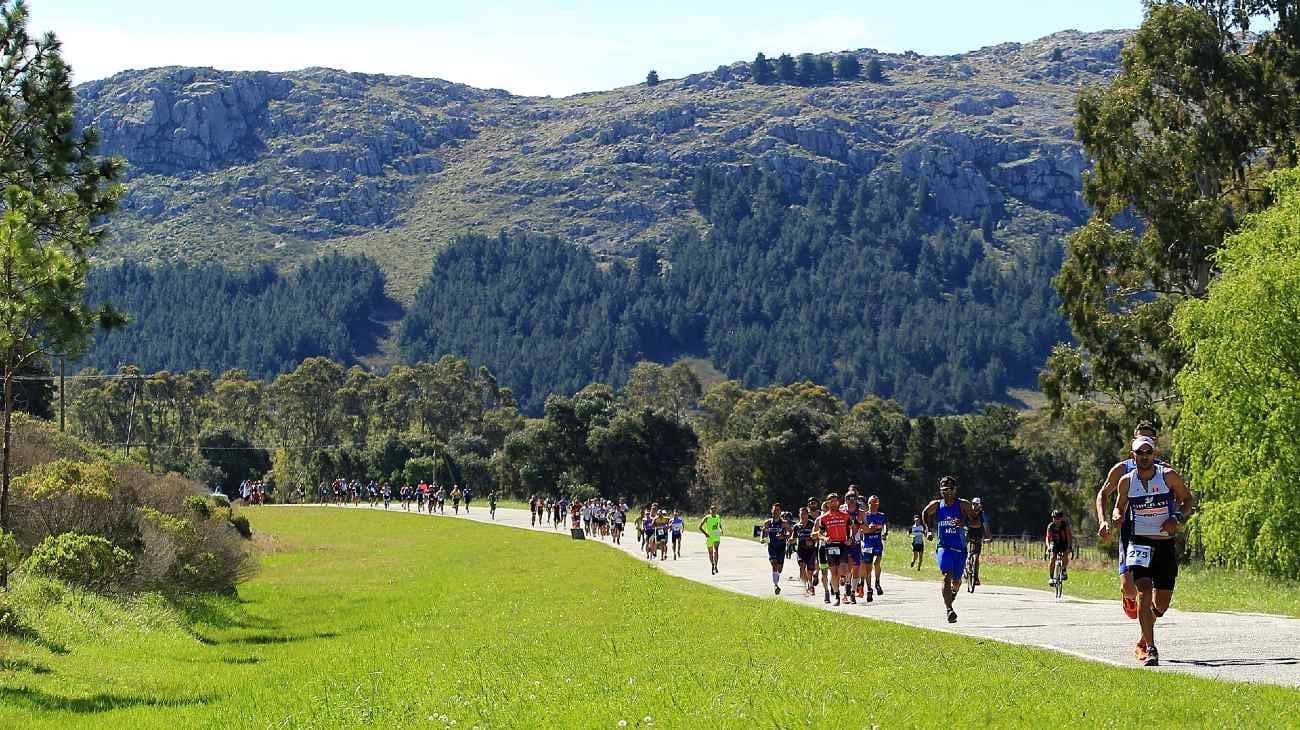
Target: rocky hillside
x=238 y=167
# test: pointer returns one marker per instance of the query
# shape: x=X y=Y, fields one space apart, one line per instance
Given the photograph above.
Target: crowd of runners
x=838 y=542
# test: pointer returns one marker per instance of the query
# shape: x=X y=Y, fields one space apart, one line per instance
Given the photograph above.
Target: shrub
x=88 y=561
x=241 y=526
x=199 y=506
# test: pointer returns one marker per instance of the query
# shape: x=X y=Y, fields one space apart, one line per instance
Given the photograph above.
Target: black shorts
x=776 y=553
x=1161 y=568
x=806 y=556
x=835 y=553
x=974 y=545
x=661 y=536
x=677 y=537
x=917 y=547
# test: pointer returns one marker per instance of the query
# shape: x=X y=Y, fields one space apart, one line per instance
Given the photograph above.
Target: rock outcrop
x=228 y=166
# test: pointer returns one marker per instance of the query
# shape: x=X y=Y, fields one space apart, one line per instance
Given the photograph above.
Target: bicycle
x=1058 y=573
x=972 y=568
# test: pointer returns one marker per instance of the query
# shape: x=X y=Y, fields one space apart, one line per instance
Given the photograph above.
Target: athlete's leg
x=1146 y=610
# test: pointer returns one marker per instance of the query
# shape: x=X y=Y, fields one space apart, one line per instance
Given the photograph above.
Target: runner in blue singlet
x=776 y=532
x=874 y=531
x=951 y=517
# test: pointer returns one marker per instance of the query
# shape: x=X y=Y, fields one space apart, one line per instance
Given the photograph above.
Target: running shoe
x=852 y=598
x=778 y=590
x=879 y=591
x=1130 y=607
x=860 y=587
x=1152 y=659
x=952 y=616
x=828 y=597
x=1140 y=650
x=837 y=599
x=869 y=597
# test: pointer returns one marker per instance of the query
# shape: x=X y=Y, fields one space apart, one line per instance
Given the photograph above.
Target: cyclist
x=918 y=541
x=1128 y=591
x=951 y=516
x=776 y=533
x=874 y=532
x=677 y=524
x=1057 y=541
x=1153 y=498
x=806 y=551
x=833 y=530
x=977 y=534
x=711 y=526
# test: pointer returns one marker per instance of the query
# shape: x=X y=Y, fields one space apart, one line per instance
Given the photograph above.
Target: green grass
x=389 y=620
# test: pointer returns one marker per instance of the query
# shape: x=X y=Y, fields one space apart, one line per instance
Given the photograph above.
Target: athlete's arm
x=930 y=509
x=766 y=524
x=1107 y=486
x=1186 y=500
x=1121 y=497
x=702 y=530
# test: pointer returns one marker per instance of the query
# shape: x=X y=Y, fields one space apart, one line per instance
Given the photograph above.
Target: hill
x=283 y=167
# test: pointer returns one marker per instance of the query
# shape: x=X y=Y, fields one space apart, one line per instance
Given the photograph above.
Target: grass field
x=391 y=620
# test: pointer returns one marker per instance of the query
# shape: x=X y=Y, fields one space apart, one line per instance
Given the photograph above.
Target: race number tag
x=833 y=552
x=1138 y=555
x=867 y=550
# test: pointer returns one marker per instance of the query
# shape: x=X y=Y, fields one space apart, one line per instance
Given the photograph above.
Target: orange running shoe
x=1130 y=607
x=1140 y=650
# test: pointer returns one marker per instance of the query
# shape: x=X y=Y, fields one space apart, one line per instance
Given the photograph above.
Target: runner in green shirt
x=711 y=526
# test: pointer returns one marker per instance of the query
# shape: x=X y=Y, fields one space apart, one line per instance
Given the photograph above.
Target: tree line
x=659 y=436
x=811 y=70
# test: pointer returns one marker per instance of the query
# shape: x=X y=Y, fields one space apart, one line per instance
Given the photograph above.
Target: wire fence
x=1030 y=547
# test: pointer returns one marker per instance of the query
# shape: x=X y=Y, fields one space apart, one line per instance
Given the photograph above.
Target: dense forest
x=258 y=320
x=864 y=289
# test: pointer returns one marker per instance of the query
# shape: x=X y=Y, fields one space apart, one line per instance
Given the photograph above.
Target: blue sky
x=556 y=48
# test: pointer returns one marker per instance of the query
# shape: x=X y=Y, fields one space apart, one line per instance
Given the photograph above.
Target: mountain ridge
x=233 y=167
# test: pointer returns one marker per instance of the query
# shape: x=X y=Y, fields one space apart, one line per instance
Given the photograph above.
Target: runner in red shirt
x=833 y=528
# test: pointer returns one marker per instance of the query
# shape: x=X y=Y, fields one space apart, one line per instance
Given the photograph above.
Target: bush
x=88 y=561
x=241 y=526
x=199 y=506
x=190 y=555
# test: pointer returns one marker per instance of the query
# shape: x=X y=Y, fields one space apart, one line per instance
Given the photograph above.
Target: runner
x=977 y=534
x=833 y=530
x=1128 y=591
x=420 y=493
x=647 y=532
x=616 y=527
x=853 y=550
x=806 y=552
x=677 y=524
x=388 y=494
x=875 y=530
x=776 y=533
x=455 y=498
x=662 y=526
x=918 y=541
x=951 y=516
x=1057 y=541
x=1147 y=497
x=492 y=505
x=711 y=526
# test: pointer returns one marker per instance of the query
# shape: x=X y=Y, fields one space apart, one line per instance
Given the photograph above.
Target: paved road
x=1229 y=646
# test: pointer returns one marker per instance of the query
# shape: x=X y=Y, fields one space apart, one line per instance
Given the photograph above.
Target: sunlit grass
x=390 y=620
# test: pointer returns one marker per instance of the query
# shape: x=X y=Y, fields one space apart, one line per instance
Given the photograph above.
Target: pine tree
x=652 y=78
x=806 y=69
x=761 y=69
x=874 y=72
x=58 y=195
x=785 y=69
x=847 y=67
x=825 y=71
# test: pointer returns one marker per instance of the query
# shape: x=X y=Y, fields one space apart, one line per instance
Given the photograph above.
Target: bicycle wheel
x=970 y=574
x=1058 y=571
